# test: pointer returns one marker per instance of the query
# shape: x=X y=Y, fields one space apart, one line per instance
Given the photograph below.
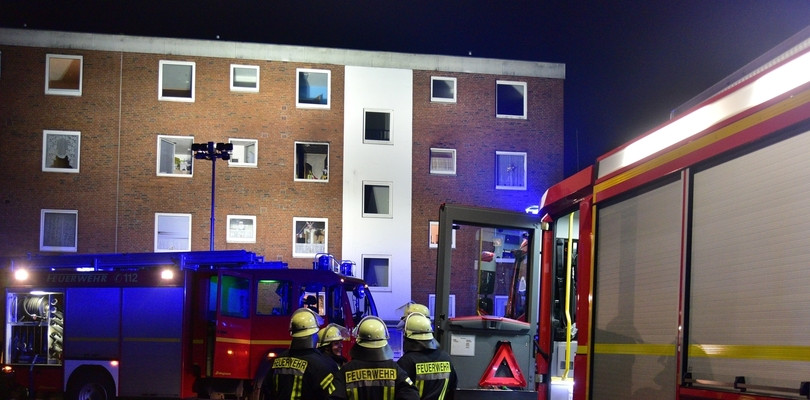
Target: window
x=176 y=81
x=274 y=298
x=442 y=89
x=377 y=126
x=442 y=161
x=244 y=78
x=311 y=161
x=510 y=99
x=377 y=199
x=510 y=170
x=244 y=152
x=377 y=272
x=451 y=305
x=60 y=151
x=58 y=230
x=433 y=236
x=309 y=236
x=314 y=88
x=241 y=229
x=234 y=296
x=63 y=75
x=172 y=232
x=174 y=155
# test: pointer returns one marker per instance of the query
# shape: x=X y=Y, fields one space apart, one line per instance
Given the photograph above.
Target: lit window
x=377 y=126
x=442 y=89
x=244 y=78
x=433 y=236
x=244 y=152
x=58 y=230
x=314 y=88
x=63 y=75
x=377 y=199
x=176 y=81
x=311 y=161
x=174 y=156
x=61 y=151
x=172 y=232
x=442 y=161
x=377 y=272
x=310 y=236
x=510 y=170
x=241 y=229
x=510 y=99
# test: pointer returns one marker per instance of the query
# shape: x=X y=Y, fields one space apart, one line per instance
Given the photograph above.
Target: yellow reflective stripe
x=298 y=383
x=229 y=340
x=444 y=388
x=763 y=352
x=353 y=395
x=421 y=386
x=645 y=349
x=328 y=383
x=91 y=339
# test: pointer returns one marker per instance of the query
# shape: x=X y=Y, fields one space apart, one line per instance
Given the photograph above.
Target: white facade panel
x=379 y=89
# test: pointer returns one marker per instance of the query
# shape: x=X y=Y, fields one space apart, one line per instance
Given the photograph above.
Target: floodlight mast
x=211 y=151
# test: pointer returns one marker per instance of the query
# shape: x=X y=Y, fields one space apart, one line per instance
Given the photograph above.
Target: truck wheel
x=91 y=385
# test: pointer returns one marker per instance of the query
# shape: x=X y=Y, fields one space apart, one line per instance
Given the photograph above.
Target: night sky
x=628 y=63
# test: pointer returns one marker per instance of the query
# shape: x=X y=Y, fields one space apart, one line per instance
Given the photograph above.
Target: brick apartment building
x=335 y=151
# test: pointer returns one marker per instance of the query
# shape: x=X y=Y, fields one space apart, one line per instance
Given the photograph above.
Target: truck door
x=232 y=326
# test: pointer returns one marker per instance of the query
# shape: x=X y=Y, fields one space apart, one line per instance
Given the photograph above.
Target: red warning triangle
x=504 y=361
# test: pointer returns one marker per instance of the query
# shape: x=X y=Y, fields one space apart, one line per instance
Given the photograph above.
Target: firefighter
x=302 y=372
x=330 y=342
x=427 y=365
x=372 y=374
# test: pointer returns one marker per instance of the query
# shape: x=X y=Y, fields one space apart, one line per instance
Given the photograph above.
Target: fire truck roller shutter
x=637 y=275
x=749 y=267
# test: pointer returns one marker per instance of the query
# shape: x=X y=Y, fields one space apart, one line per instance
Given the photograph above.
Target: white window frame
x=390 y=113
x=434 y=168
x=189 y=165
x=317 y=173
x=435 y=99
x=240 y=147
x=433 y=236
x=54 y=143
x=389 y=185
x=451 y=305
x=235 y=88
x=62 y=91
x=65 y=232
x=388 y=257
x=309 y=248
x=172 y=229
x=241 y=229
x=298 y=103
x=523 y=185
x=164 y=63
x=497 y=100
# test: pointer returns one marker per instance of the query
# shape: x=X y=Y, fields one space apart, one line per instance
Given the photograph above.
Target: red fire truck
x=690 y=246
x=160 y=325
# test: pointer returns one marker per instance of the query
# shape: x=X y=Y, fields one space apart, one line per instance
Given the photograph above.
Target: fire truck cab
x=160 y=325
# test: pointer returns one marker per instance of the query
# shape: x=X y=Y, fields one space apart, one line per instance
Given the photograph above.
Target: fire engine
x=161 y=325
x=691 y=246
x=673 y=268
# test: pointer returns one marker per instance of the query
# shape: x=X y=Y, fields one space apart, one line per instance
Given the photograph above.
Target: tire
x=91 y=384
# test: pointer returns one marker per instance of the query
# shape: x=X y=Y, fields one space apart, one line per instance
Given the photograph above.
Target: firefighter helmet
x=372 y=333
x=332 y=333
x=372 y=340
x=419 y=333
x=304 y=322
x=410 y=308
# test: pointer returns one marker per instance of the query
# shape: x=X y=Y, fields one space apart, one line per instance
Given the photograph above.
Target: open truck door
x=493 y=337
